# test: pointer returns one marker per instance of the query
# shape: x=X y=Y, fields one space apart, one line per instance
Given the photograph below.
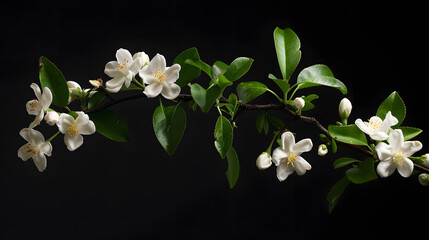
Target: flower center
x=33 y=105
x=399 y=158
x=123 y=66
x=73 y=130
x=290 y=159
x=30 y=148
x=159 y=76
x=375 y=124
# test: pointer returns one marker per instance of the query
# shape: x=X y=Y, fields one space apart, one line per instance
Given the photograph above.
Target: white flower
x=263 y=161
x=424 y=179
x=76 y=92
x=376 y=128
x=299 y=103
x=161 y=79
x=395 y=155
x=144 y=58
x=322 y=150
x=36 y=148
x=52 y=118
x=345 y=108
x=287 y=157
x=73 y=129
x=39 y=106
x=122 y=70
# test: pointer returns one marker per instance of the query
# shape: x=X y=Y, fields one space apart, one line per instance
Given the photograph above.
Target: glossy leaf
x=319 y=75
x=410 y=132
x=365 y=172
x=238 y=68
x=111 y=125
x=348 y=134
x=233 y=170
x=187 y=72
x=341 y=162
x=395 y=105
x=50 y=76
x=205 y=98
x=247 y=91
x=223 y=136
x=95 y=99
x=201 y=65
x=169 y=124
x=335 y=193
x=287 y=48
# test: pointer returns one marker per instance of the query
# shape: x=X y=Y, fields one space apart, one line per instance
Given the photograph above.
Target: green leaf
x=223 y=136
x=319 y=75
x=169 y=124
x=335 y=193
x=233 y=170
x=50 y=76
x=187 y=72
x=363 y=173
x=95 y=99
x=287 y=48
x=205 y=98
x=262 y=122
x=395 y=105
x=308 y=104
x=219 y=68
x=277 y=123
x=341 y=162
x=201 y=65
x=222 y=82
x=348 y=134
x=247 y=91
x=238 y=68
x=111 y=125
x=410 y=132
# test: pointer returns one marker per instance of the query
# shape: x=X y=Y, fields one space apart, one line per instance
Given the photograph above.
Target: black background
x=135 y=190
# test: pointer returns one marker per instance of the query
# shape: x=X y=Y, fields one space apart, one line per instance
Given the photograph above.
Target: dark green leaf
x=233 y=171
x=395 y=105
x=348 y=134
x=262 y=122
x=363 y=173
x=95 y=99
x=169 y=124
x=341 y=162
x=111 y=125
x=277 y=123
x=335 y=193
x=50 y=76
x=287 y=48
x=247 y=91
x=201 y=65
x=410 y=132
x=238 y=68
x=319 y=75
x=219 y=68
x=187 y=72
x=223 y=136
x=205 y=98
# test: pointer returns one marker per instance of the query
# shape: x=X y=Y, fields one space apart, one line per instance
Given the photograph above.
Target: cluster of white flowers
x=159 y=78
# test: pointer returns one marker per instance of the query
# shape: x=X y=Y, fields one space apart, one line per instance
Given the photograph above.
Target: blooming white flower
x=122 y=70
x=73 y=129
x=143 y=57
x=287 y=157
x=344 y=109
x=52 y=118
x=263 y=161
x=39 y=106
x=161 y=79
x=36 y=148
x=376 y=128
x=299 y=103
x=395 y=155
x=322 y=150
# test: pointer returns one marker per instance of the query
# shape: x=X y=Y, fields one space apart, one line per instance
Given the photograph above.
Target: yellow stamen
x=73 y=130
x=290 y=159
x=159 y=76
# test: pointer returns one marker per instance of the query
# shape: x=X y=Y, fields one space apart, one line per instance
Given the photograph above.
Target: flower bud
x=263 y=161
x=344 y=109
x=425 y=159
x=96 y=83
x=424 y=179
x=52 y=118
x=299 y=103
x=323 y=150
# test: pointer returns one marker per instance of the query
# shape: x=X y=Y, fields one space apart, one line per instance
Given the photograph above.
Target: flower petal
x=283 y=171
x=153 y=90
x=37 y=119
x=115 y=84
x=304 y=145
x=36 y=90
x=88 y=128
x=379 y=136
x=288 y=141
x=33 y=107
x=389 y=121
x=410 y=147
x=64 y=122
x=146 y=75
x=157 y=63
x=396 y=140
x=73 y=142
x=279 y=155
x=46 y=98
x=301 y=166
x=384 y=151
x=363 y=127
x=172 y=73
x=135 y=66
x=24 y=153
x=111 y=69
x=385 y=168
x=123 y=56
x=40 y=161
x=46 y=148
x=35 y=137
x=170 y=91
x=405 y=168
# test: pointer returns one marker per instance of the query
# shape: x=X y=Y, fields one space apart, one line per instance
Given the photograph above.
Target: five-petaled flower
x=376 y=128
x=39 y=106
x=287 y=157
x=160 y=79
x=36 y=148
x=122 y=70
x=73 y=129
x=395 y=155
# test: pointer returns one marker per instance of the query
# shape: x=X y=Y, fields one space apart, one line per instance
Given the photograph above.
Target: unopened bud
x=52 y=118
x=424 y=179
x=263 y=161
x=96 y=83
x=299 y=103
x=344 y=109
x=425 y=159
x=323 y=150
